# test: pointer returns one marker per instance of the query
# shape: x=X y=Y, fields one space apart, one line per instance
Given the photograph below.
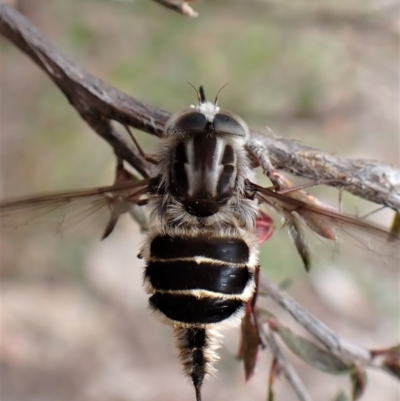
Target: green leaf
x=311 y=353
x=341 y=397
x=297 y=236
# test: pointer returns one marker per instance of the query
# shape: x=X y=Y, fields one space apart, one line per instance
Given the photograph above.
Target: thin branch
x=287 y=368
x=369 y=179
x=180 y=7
x=99 y=103
x=337 y=345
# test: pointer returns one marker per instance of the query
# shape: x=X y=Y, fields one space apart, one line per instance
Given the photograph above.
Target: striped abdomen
x=198 y=284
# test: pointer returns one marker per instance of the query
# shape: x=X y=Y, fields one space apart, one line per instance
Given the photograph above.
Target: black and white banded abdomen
x=199 y=284
x=198 y=281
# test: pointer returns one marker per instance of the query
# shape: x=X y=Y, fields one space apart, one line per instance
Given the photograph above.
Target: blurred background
x=74 y=318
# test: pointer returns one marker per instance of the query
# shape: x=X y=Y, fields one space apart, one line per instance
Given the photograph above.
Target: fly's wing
x=333 y=226
x=59 y=212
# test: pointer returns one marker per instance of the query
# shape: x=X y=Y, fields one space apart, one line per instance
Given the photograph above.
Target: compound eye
x=192 y=121
x=228 y=124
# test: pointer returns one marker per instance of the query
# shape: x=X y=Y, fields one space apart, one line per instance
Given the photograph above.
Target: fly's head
x=206 y=118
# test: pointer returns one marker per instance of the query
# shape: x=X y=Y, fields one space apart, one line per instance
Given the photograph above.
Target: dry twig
x=338 y=346
x=287 y=368
x=99 y=103
x=179 y=6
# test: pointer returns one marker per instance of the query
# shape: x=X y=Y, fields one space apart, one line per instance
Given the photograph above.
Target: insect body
x=201 y=255
x=201 y=248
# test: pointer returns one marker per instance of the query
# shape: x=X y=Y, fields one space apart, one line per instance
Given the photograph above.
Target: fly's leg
x=150 y=158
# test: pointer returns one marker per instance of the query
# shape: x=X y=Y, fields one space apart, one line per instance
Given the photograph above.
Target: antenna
x=216 y=97
x=199 y=97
